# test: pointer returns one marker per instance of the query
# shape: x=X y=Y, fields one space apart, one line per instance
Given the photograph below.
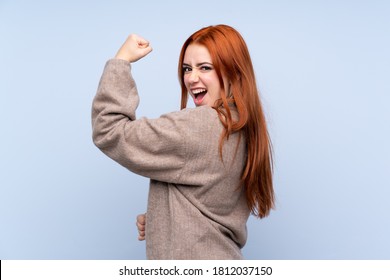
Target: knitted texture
x=196 y=206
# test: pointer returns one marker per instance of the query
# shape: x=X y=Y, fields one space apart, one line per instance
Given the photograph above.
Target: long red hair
x=231 y=59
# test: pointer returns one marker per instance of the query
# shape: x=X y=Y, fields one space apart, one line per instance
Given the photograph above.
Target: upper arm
x=154 y=148
x=179 y=147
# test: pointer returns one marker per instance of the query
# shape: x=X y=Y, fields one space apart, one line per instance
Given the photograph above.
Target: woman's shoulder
x=197 y=114
x=197 y=110
x=201 y=119
x=205 y=111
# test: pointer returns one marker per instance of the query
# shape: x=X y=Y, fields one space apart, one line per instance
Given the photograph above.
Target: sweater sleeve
x=154 y=148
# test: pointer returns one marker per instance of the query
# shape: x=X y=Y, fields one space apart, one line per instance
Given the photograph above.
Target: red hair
x=231 y=59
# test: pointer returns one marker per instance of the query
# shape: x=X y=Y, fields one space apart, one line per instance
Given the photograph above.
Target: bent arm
x=154 y=148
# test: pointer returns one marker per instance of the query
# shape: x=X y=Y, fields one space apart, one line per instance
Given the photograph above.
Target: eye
x=187 y=69
x=206 y=68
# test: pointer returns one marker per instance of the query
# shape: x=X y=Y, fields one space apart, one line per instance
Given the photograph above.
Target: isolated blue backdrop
x=323 y=71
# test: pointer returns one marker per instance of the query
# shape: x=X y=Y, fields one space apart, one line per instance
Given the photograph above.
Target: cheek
x=213 y=83
x=216 y=89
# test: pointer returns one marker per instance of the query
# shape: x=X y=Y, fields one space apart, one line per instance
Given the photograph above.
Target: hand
x=141 y=223
x=134 y=48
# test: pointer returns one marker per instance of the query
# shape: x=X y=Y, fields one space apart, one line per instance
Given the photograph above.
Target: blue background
x=323 y=69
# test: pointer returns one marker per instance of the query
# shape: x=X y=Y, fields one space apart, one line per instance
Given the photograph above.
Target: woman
x=209 y=166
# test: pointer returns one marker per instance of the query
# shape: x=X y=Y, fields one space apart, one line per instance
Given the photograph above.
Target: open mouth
x=199 y=94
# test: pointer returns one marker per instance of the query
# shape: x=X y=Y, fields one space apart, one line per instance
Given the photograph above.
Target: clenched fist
x=134 y=48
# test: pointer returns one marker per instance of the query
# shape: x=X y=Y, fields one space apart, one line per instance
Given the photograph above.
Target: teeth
x=197 y=91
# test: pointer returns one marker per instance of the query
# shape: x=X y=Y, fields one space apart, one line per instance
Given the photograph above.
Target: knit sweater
x=196 y=206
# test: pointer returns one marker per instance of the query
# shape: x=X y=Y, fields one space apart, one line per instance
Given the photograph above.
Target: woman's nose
x=194 y=76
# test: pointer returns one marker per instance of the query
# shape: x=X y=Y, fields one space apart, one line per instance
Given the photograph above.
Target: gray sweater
x=196 y=207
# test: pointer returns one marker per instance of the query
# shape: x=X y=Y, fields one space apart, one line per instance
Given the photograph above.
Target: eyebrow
x=198 y=64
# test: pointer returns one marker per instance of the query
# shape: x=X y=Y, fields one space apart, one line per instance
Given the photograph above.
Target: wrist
x=122 y=56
